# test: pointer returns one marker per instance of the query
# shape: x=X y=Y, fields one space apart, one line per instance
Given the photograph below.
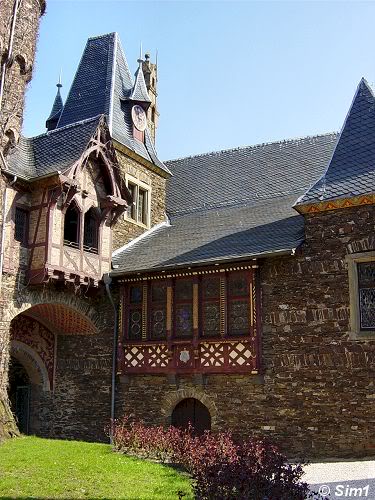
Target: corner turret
x=56 y=110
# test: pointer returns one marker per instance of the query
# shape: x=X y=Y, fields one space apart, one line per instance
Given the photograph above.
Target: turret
x=56 y=110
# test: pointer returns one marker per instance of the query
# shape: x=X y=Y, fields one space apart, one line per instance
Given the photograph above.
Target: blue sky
x=230 y=73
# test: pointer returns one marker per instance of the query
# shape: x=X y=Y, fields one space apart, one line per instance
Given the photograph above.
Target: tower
x=150 y=72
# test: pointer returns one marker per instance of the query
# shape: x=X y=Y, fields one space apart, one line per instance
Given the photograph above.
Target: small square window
x=21 y=226
x=139 y=210
x=361 y=268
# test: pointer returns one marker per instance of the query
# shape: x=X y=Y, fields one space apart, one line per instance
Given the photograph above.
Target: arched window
x=91 y=232
x=71 y=226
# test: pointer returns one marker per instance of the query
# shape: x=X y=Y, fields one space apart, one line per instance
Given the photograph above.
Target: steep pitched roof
x=102 y=85
x=232 y=205
x=351 y=169
x=139 y=92
x=56 y=110
x=51 y=152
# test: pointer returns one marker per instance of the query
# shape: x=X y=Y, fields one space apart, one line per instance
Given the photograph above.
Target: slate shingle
x=231 y=204
x=351 y=170
x=53 y=151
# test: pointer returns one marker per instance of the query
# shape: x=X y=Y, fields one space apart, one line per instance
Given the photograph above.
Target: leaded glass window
x=135 y=312
x=184 y=308
x=238 y=304
x=366 y=291
x=158 y=310
x=210 y=293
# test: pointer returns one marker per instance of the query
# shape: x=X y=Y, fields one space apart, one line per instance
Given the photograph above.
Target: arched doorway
x=19 y=394
x=191 y=410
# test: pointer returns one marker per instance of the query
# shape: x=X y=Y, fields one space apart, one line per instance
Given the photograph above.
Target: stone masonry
x=315 y=394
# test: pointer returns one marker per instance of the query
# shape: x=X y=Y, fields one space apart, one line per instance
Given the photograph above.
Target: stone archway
x=191 y=411
x=34 y=326
x=172 y=400
x=54 y=307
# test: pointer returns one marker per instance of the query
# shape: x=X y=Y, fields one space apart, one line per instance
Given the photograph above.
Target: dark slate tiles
x=351 y=170
x=215 y=235
x=231 y=205
x=102 y=85
x=239 y=175
x=53 y=151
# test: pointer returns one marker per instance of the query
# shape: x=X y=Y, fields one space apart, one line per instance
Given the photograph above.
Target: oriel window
x=71 y=226
x=91 y=232
x=135 y=312
x=183 y=308
x=158 y=310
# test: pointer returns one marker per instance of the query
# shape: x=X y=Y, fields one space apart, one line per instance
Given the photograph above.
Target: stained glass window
x=238 y=304
x=183 y=308
x=135 y=312
x=210 y=306
x=366 y=289
x=158 y=310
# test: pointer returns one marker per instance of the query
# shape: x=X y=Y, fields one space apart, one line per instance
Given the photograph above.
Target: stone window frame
x=145 y=187
x=352 y=261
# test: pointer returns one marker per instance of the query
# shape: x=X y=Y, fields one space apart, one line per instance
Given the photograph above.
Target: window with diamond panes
x=238 y=304
x=183 y=309
x=210 y=306
x=135 y=312
x=366 y=293
x=158 y=310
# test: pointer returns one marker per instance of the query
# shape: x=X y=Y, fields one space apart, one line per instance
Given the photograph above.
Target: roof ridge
x=70 y=125
x=103 y=36
x=252 y=146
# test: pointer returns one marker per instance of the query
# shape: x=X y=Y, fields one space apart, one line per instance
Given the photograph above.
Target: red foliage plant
x=220 y=467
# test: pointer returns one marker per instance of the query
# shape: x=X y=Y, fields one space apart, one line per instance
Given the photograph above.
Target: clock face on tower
x=139 y=117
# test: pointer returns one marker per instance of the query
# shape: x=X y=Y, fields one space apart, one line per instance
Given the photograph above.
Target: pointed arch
x=72 y=224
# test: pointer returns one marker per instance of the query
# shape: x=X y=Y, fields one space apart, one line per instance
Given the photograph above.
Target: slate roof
x=102 y=85
x=56 y=107
x=351 y=171
x=231 y=204
x=53 y=151
x=139 y=92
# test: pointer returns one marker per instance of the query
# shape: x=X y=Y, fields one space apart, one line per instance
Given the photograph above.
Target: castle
x=234 y=289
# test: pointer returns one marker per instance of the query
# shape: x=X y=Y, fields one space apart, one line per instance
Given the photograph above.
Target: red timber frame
x=222 y=351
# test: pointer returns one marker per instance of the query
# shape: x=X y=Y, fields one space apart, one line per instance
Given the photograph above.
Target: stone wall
x=125 y=230
x=315 y=395
x=19 y=66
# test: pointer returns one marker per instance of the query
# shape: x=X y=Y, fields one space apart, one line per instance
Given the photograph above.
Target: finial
x=140 y=60
x=59 y=85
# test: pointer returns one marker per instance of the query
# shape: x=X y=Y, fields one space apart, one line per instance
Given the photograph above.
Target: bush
x=220 y=467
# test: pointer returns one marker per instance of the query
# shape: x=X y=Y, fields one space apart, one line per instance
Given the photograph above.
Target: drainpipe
x=3 y=225
x=107 y=282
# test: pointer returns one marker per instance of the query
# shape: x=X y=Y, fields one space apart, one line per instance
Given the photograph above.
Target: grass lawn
x=33 y=468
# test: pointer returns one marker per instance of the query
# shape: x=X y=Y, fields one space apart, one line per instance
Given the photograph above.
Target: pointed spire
x=139 y=92
x=351 y=170
x=57 y=108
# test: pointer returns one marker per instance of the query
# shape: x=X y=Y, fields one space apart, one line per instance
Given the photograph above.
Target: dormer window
x=91 y=232
x=72 y=226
